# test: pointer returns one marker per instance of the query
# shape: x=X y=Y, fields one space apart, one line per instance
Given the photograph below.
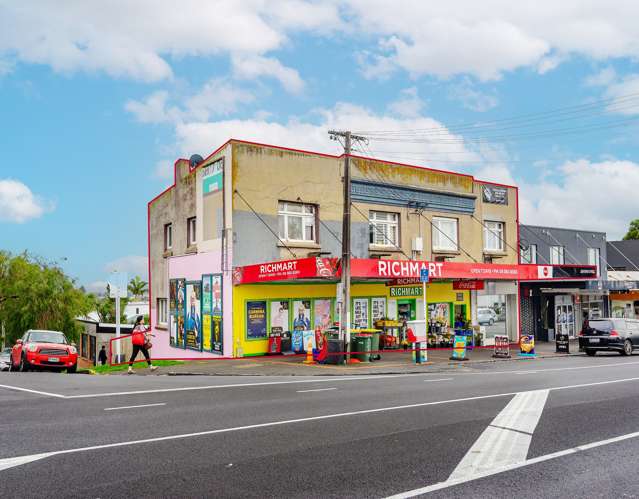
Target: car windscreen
x=46 y=337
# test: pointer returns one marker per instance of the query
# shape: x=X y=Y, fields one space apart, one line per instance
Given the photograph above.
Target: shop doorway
x=406 y=310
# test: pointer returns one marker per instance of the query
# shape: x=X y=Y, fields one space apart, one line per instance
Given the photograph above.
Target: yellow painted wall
x=437 y=292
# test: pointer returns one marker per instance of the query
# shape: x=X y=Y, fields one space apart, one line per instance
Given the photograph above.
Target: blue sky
x=96 y=104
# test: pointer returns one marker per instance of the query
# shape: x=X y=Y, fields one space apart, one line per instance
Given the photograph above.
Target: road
x=564 y=427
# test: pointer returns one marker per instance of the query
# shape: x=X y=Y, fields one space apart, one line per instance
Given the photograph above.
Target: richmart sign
x=406 y=291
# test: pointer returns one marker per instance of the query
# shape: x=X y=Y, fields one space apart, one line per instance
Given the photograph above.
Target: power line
x=433 y=226
x=265 y=224
x=547 y=231
x=501 y=238
x=339 y=240
x=381 y=232
x=623 y=254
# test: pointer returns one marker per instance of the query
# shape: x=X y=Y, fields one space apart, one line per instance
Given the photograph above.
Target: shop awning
x=328 y=269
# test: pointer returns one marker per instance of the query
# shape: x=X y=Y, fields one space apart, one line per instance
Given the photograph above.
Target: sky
x=97 y=100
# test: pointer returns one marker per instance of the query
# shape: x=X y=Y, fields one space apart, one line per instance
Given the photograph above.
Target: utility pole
x=345 y=316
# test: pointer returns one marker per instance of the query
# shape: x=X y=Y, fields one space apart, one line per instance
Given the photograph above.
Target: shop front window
x=491 y=314
x=297 y=222
x=493 y=236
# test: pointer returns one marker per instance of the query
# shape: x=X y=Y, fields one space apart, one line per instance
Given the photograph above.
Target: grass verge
x=138 y=365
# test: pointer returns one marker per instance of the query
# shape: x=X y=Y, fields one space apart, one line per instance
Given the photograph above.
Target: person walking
x=102 y=356
x=141 y=343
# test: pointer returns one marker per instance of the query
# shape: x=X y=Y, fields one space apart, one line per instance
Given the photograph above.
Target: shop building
x=623 y=274
x=252 y=209
x=576 y=287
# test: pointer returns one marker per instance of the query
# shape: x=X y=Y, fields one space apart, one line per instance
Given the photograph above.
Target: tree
x=633 y=230
x=137 y=287
x=38 y=295
x=104 y=306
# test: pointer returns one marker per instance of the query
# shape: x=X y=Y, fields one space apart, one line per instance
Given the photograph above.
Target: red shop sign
x=286 y=269
x=462 y=285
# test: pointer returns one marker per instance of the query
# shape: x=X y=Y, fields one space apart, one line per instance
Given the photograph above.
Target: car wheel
x=590 y=352
x=72 y=369
x=24 y=366
x=627 y=348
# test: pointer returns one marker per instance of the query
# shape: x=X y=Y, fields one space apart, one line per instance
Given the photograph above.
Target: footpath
x=392 y=362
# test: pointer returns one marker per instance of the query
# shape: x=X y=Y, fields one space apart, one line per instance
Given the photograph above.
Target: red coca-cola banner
x=463 y=285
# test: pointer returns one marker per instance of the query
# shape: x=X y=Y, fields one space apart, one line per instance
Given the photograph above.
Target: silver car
x=5 y=359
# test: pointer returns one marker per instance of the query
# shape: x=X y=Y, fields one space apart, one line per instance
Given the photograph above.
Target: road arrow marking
x=10 y=462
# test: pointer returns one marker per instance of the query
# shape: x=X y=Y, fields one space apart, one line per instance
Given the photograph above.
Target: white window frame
x=308 y=215
x=529 y=256
x=597 y=257
x=191 y=234
x=442 y=241
x=388 y=230
x=162 y=305
x=494 y=229
x=168 y=236
x=557 y=255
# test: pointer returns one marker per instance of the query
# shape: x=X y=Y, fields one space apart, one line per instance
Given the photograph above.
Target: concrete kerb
x=428 y=367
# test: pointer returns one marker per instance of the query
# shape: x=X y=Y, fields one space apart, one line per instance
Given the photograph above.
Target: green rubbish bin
x=375 y=345
x=362 y=343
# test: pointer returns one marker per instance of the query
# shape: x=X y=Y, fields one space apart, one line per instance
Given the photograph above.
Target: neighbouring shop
x=625 y=304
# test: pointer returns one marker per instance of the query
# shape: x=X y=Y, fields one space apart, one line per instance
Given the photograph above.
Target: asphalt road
x=542 y=428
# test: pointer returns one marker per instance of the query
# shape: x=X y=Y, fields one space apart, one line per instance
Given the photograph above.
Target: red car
x=44 y=349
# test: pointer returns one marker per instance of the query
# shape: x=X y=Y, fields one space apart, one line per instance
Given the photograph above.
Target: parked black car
x=621 y=335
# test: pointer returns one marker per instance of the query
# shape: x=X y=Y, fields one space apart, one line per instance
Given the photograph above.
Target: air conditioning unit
x=417 y=244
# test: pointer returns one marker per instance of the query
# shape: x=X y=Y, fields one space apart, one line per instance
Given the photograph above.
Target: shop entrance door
x=406 y=310
x=564 y=315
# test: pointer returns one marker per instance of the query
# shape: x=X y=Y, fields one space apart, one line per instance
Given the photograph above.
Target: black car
x=620 y=335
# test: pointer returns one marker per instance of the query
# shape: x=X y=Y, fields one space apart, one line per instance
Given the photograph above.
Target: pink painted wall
x=191 y=268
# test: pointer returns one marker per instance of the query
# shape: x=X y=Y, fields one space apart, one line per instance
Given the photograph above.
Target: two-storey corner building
x=247 y=243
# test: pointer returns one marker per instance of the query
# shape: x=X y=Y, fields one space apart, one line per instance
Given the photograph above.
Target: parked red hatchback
x=39 y=349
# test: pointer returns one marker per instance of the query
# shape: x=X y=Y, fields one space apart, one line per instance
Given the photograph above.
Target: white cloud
x=471 y=98
x=603 y=78
x=485 y=39
x=578 y=197
x=18 y=204
x=409 y=104
x=217 y=97
x=131 y=264
x=249 y=68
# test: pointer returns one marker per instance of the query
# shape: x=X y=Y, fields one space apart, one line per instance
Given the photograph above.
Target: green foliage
x=35 y=294
x=137 y=287
x=105 y=308
x=633 y=230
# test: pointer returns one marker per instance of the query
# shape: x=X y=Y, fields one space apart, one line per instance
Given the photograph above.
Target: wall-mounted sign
x=463 y=285
x=213 y=177
x=406 y=291
x=286 y=269
x=494 y=194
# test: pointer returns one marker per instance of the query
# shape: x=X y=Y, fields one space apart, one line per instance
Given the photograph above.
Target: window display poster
x=206 y=332
x=207 y=282
x=378 y=308
x=217 y=294
x=392 y=309
x=322 y=309
x=181 y=312
x=302 y=317
x=360 y=313
x=256 y=320
x=279 y=316
x=193 y=322
x=440 y=313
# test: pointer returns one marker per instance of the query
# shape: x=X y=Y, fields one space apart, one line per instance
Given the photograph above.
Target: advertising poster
x=279 y=316
x=256 y=320
x=193 y=321
x=181 y=312
x=378 y=308
x=217 y=306
x=172 y=312
x=302 y=317
x=206 y=332
x=207 y=284
x=440 y=313
x=527 y=345
x=360 y=313
x=216 y=288
x=322 y=309
x=297 y=340
x=308 y=339
x=212 y=177
x=217 y=334
x=459 y=348
x=392 y=309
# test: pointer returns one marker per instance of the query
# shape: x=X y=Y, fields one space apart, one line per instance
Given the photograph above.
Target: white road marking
x=544 y=370
x=3 y=462
x=507 y=438
x=528 y=462
x=439 y=379
x=20 y=389
x=133 y=406
x=316 y=390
